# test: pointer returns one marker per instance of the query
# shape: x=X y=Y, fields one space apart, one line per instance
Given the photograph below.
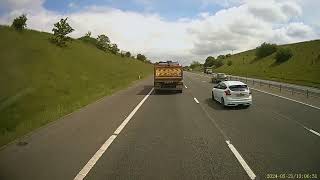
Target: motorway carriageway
x=136 y=134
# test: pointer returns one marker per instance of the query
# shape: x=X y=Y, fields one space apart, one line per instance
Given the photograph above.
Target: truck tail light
x=227 y=92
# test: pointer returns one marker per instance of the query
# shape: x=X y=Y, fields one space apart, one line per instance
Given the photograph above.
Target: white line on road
x=124 y=123
x=287 y=98
x=196 y=100
x=185 y=86
x=85 y=170
x=313 y=131
x=241 y=161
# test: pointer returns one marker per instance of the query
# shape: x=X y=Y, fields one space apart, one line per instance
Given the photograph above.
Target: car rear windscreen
x=238 y=87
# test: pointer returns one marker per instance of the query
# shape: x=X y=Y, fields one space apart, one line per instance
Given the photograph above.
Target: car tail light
x=228 y=93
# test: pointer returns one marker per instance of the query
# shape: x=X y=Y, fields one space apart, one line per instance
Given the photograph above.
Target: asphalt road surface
x=136 y=134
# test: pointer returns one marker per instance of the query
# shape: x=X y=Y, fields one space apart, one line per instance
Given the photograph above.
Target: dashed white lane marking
x=297 y=122
x=287 y=98
x=313 y=131
x=196 y=100
x=85 y=170
x=241 y=161
x=185 y=86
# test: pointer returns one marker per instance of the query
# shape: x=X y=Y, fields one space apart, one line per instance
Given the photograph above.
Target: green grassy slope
x=303 y=68
x=41 y=82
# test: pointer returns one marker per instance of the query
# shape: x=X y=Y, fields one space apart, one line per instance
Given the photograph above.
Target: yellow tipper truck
x=168 y=76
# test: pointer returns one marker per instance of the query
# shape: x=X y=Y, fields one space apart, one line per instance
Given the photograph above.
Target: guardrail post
x=292 y=91
x=280 y=87
x=260 y=83
x=307 y=93
x=252 y=82
x=269 y=85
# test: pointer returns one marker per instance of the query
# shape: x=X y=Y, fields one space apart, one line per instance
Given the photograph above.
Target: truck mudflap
x=168 y=86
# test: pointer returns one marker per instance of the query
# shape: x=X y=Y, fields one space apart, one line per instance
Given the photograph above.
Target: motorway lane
x=267 y=133
x=59 y=151
x=279 y=106
x=170 y=137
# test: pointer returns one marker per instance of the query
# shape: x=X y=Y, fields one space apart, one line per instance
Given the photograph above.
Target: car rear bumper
x=237 y=102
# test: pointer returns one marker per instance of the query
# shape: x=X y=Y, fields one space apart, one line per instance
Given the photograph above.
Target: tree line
x=266 y=49
x=212 y=62
x=62 y=28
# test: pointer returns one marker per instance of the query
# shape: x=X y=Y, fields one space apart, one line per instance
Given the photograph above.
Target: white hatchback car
x=232 y=93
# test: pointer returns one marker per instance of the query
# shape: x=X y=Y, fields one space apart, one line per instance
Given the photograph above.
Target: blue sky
x=168 y=9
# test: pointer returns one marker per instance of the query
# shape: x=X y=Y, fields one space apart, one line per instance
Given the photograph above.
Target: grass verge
x=302 y=69
x=42 y=82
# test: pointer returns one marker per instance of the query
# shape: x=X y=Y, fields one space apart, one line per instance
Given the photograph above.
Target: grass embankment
x=303 y=68
x=41 y=82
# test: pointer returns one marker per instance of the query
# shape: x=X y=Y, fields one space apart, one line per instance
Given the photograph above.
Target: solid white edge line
x=287 y=98
x=85 y=170
x=196 y=100
x=124 y=123
x=185 y=86
x=241 y=161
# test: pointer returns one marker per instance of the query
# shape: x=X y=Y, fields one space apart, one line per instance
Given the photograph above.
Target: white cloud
x=293 y=32
x=237 y=28
x=248 y=25
x=273 y=11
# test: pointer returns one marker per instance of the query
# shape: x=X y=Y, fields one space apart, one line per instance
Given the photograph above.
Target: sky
x=180 y=30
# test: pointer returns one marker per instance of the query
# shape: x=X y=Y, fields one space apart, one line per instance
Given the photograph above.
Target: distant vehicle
x=219 y=77
x=232 y=93
x=208 y=70
x=168 y=76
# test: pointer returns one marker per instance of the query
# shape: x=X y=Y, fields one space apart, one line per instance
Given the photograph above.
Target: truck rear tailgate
x=168 y=72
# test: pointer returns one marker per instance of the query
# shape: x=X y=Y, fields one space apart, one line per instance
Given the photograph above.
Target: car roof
x=231 y=83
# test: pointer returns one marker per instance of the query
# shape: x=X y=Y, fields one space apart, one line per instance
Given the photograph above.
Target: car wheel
x=246 y=106
x=222 y=102
x=212 y=96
